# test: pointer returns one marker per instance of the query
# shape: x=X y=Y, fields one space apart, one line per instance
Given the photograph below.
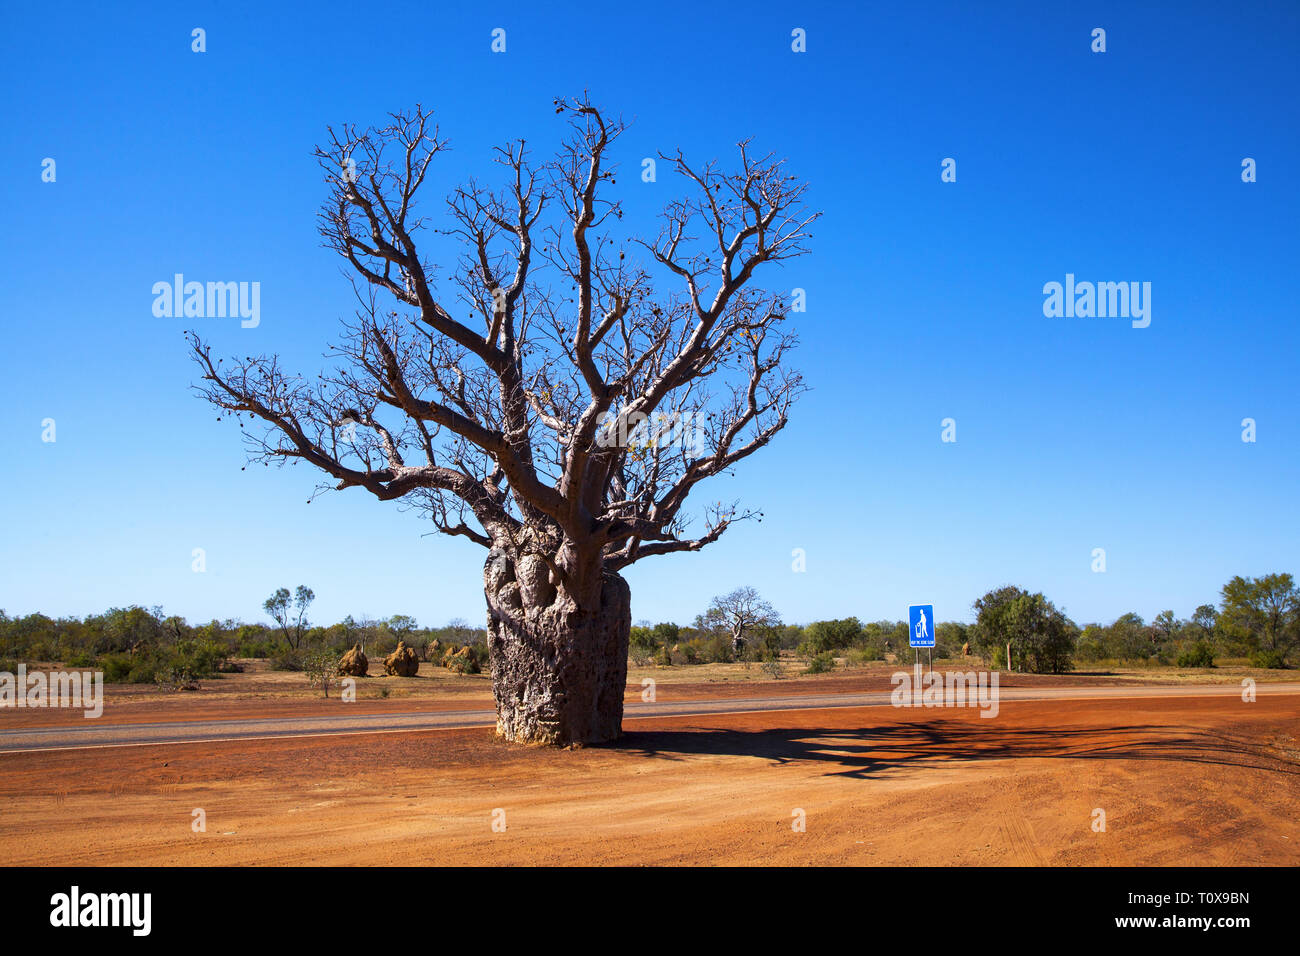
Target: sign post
x=920 y=633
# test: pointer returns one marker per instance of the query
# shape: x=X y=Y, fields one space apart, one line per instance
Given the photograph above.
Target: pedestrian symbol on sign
x=921 y=619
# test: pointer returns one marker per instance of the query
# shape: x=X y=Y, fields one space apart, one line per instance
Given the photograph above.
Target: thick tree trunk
x=559 y=671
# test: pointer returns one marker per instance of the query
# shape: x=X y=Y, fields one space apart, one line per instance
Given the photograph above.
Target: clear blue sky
x=924 y=298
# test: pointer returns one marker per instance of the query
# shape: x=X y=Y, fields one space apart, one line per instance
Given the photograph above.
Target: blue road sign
x=920 y=621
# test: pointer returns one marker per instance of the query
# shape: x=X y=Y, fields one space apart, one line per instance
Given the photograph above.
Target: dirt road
x=107 y=733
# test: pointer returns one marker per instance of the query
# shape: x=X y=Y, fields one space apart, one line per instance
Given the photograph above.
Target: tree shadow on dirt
x=872 y=751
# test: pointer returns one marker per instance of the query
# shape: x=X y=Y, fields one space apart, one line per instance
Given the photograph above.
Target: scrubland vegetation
x=145 y=645
x=1257 y=622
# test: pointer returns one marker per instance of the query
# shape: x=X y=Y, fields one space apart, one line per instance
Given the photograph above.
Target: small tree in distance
x=321 y=665
x=1042 y=638
x=742 y=612
x=772 y=662
x=1263 y=614
x=290 y=613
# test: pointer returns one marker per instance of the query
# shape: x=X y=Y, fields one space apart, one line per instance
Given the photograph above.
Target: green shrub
x=258 y=649
x=772 y=664
x=642 y=639
x=1089 y=646
x=381 y=645
x=176 y=677
x=470 y=659
x=1273 y=660
x=43 y=650
x=717 y=650
x=462 y=664
x=142 y=672
x=1199 y=654
x=820 y=636
x=286 y=660
x=180 y=667
x=116 y=667
x=821 y=663
x=857 y=656
x=321 y=665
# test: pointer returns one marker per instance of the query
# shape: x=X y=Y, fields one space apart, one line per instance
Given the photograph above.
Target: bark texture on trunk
x=559 y=670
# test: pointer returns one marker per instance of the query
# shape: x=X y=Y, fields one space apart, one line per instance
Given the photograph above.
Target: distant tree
x=648 y=639
x=402 y=625
x=1167 y=626
x=131 y=629
x=822 y=636
x=1091 y=644
x=1200 y=636
x=363 y=632
x=772 y=662
x=883 y=637
x=289 y=611
x=1205 y=622
x=1040 y=635
x=176 y=675
x=991 y=630
x=1198 y=653
x=641 y=643
x=404 y=628
x=460 y=632
x=1263 y=613
x=1130 y=639
x=174 y=628
x=278 y=605
x=666 y=633
x=821 y=663
x=789 y=636
x=740 y=613
x=321 y=665
x=302 y=598
x=950 y=637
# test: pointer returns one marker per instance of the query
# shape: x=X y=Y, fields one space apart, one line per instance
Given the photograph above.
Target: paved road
x=98 y=734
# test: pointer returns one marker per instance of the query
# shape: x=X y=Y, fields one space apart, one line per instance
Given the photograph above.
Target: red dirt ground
x=1209 y=781
x=268 y=694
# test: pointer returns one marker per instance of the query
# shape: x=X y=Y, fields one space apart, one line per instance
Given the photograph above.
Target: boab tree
x=741 y=612
x=542 y=396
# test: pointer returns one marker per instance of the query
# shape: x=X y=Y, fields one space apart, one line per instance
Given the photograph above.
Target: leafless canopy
x=742 y=611
x=563 y=386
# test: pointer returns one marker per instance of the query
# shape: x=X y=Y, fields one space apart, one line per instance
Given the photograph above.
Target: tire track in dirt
x=215 y=731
